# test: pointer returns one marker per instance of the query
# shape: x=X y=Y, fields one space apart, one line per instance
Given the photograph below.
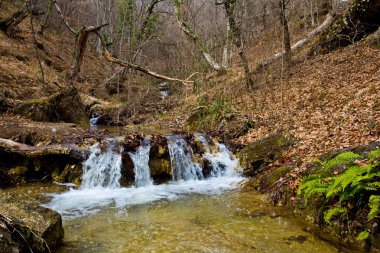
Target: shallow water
x=237 y=222
x=230 y=222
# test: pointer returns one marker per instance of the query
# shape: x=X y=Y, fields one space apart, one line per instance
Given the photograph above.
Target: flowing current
x=183 y=168
x=102 y=169
x=140 y=160
x=102 y=172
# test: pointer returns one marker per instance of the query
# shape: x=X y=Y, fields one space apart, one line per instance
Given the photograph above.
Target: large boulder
x=63 y=106
x=256 y=155
x=28 y=227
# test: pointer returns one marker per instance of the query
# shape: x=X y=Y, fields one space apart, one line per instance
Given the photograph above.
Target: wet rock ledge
x=28 y=227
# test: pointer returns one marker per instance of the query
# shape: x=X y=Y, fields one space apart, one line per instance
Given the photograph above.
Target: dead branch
x=111 y=59
x=316 y=31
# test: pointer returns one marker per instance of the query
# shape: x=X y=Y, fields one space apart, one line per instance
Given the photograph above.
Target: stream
x=194 y=212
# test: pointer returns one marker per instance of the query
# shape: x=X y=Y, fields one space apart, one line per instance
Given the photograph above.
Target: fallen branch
x=111 y=59
x=38 y=151
x=316 y=31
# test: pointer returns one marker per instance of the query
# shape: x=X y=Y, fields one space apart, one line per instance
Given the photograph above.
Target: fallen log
x=38 y=151
x=298 y=44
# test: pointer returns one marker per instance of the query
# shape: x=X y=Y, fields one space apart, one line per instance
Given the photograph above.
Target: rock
x=7 y=243
x=17 y=175
x=159 y=163
x=360 y=19
x=66 y=106
x=40 y=227
x=104 y=120
x=374 y=39
x=254 y=156
x=113 y=88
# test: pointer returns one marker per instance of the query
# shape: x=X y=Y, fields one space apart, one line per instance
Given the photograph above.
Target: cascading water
x=221 y=159
x=140 y=161
x=204 y=141
x=102 y=169
x=94 y=121
x=183 y=167
x=221 y=162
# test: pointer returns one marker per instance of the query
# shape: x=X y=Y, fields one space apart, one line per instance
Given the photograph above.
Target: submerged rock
x=254 y=156
x=28 y=227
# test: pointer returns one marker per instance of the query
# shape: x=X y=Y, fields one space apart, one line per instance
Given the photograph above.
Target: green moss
x=254 y=156
x=273 y=176
x=19 y=171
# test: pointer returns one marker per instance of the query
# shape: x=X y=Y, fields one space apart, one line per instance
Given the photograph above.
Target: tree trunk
x=80 y=48
x=229 y=6
x=44 y=21
x=298 y=44
x=286 y=35
x=185 y=27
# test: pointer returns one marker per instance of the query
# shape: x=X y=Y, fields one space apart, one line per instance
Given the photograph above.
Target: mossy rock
x=159 y=163
x=40 y=227
x=71 y=174
x=273 y=176
x=256 y=155
x=361 y=18
x=18 y=174
x=193 y=122
x=374 y=39
x=66 y=106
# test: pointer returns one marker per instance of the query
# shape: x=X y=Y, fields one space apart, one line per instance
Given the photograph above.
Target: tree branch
x=316 y=31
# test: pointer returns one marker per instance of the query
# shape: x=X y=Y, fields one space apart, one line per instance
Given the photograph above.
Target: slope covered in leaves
x=330 y=102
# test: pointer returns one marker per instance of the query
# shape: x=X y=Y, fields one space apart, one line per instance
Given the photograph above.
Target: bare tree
x=194 y=37
x=229 y=6
x=285 y=33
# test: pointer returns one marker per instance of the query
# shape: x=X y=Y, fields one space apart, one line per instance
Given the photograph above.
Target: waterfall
x=140 y=161
x=94 y=121
x=204 y=141
x=182 y=165
x=102 y=172
x=223 y=162
x=102 y=169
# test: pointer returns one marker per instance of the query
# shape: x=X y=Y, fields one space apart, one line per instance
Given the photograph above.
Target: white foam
x=76 y=203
